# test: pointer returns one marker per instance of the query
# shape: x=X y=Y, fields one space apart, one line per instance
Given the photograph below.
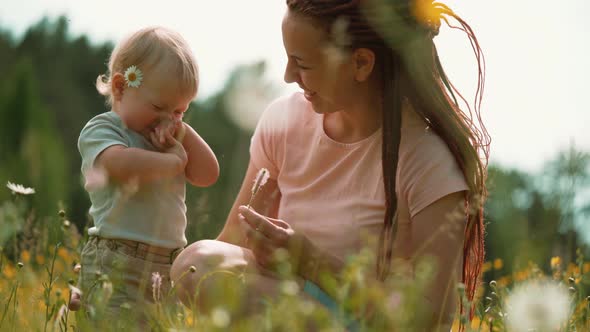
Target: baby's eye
x=156 y=107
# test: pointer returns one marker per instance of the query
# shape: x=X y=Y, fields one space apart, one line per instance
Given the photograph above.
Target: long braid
x=392 y=107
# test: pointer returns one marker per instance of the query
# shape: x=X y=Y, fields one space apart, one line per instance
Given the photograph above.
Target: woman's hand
x=265 y=236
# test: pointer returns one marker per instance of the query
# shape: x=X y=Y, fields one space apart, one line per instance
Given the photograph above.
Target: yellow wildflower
x=498 y=264
x=573 y=269
x=9 y=271
x=586 y=268
x=555 y=262
x=426 y=12
x=478 y=325
x=40 y=259
x=504 y=281
x=63 y=253
x=59 y=266
x=486 y=267
x=25 y=256
x=521 y=275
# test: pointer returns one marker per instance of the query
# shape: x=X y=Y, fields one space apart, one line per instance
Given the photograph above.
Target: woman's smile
x=308 y=95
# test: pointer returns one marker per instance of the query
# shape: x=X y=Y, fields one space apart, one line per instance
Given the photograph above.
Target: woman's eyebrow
x=298 y=58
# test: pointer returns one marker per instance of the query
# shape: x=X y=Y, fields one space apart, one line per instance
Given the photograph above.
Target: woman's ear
x=364 y=62
x=117 y=86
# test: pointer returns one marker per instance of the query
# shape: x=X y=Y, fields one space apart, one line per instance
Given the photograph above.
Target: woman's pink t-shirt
x=333 y=192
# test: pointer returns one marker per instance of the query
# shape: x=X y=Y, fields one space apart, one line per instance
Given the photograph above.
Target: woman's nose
x=291 y=75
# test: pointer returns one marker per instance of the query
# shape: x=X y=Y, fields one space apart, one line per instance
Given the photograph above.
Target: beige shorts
x=113 y=280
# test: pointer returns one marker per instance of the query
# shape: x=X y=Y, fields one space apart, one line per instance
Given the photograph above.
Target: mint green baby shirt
x=153 y=213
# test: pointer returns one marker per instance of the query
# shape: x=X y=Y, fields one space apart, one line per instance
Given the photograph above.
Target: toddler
x=136 y=159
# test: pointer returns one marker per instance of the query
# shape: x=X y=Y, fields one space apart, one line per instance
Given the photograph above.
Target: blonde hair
x=148 y=48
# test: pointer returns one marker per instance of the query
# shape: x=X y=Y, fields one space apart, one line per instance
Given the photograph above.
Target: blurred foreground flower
x=538 y=306
x=156 y=286
x=220 y=317
x=555 y=262
x=19 y=189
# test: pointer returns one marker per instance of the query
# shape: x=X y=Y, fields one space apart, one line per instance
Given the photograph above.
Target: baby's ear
x=117 y=86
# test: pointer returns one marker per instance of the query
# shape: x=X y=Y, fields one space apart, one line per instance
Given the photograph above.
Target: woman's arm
x=266 y=201
x=202 y=168
x=437 y=231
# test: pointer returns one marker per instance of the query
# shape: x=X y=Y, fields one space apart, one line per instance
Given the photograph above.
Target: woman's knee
x=200 y=259
x=193 y=259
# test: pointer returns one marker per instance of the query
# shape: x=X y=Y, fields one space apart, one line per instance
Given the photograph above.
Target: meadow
x=536 y=277
x=37 y=278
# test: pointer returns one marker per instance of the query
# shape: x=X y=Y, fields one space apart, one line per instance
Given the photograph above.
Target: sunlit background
x=536 y=52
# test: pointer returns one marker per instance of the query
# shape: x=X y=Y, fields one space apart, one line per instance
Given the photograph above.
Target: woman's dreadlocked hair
x=400 y=33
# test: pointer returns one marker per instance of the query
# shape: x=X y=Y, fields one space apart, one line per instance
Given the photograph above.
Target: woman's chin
x=322 y=108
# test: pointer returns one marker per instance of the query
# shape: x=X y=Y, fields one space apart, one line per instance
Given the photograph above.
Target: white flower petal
x=19 y=189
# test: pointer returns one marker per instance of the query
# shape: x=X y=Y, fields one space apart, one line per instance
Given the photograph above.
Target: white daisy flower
x=538 y=306
x=19 y=189
x=220 y=317
x=133 y=76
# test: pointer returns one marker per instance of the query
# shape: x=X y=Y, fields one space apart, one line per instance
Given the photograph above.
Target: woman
x=376 y=145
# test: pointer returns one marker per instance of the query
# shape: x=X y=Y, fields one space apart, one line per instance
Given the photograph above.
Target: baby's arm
x=124 y=164
x=202 y=168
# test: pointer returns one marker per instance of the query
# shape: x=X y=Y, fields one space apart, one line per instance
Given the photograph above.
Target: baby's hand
x=169 y=125
x=170 y=145
x=166 y=125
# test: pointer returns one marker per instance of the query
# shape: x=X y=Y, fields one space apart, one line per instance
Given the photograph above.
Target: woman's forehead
x=300 y=35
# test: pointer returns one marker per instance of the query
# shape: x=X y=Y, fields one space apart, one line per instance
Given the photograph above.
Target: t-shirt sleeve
x=267 y=143
x=96 y=136
x=429 y=172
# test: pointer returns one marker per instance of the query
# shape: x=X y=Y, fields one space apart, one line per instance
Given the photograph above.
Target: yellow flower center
x=132 y=77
